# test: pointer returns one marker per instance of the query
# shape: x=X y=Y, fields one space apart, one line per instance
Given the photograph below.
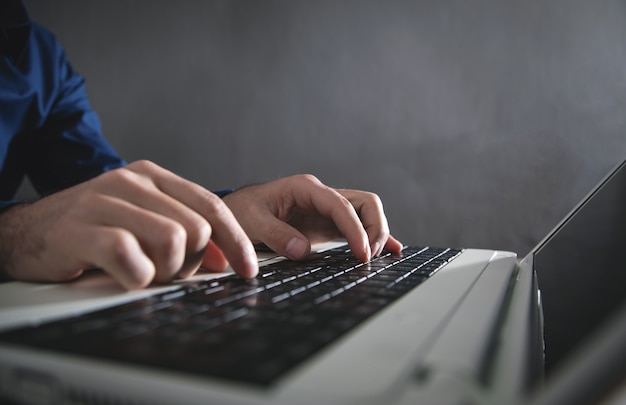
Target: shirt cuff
x=9 y=203
x=223 y=193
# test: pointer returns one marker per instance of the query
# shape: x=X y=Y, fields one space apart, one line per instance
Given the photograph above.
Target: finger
x=70 y=242
x=214 y=259
x=393 y=245
x=370 y=209
x=226 y=231
x=330 y=203
x=137 y=186
x=117 y=252
x=162 y=239
x=280 y=236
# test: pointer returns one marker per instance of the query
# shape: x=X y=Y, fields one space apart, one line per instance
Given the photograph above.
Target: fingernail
x=296 y=247
x=252 y=263
x=375 y=249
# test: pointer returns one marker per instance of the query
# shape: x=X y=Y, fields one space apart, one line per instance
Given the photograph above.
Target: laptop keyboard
x=246 y=330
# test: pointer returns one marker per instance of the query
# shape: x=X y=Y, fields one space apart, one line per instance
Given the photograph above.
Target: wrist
x=223 y=193
x=11 y=234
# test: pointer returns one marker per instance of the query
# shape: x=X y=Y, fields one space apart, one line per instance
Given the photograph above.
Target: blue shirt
x=48 y=130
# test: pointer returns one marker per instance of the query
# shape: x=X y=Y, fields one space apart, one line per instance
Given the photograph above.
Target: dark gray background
x=479 y=123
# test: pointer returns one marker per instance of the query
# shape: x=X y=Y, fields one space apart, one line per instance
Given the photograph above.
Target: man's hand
x=141 y=224
x=289 y=214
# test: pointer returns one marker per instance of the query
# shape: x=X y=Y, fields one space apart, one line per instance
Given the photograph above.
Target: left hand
x=290 y=213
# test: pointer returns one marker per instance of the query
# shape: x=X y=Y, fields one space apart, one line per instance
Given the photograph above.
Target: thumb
x=284 y=239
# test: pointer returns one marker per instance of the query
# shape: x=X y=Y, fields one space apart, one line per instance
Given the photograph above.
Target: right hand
x=141 y=224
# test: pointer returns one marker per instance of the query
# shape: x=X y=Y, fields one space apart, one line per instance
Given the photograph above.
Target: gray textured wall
x=480 y=123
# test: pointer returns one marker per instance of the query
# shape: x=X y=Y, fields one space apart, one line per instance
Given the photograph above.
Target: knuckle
x=383 y=230
x=345 y=203
x=168 y=251
x=212 y=202
x=198 y=234
x=373 y=198
x=309 y=178
x=122 y=176
x=121 y=248
x=141 y=165
x=303 y=179
x=172 y=240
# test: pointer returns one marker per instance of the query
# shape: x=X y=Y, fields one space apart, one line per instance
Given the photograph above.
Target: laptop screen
x=581 y=269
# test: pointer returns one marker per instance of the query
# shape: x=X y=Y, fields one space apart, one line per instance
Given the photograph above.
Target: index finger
x=227 y=233
x=330 y=203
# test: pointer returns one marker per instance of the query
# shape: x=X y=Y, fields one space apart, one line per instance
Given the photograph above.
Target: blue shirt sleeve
x=67 y=147
x=48 y=129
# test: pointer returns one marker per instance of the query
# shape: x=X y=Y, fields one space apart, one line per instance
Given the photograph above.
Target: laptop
x=428 y=325
x=582 y=277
